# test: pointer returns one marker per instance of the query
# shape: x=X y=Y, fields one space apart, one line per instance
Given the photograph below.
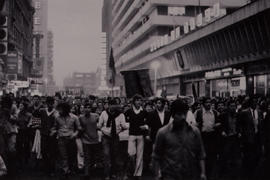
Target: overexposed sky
x=76 y=25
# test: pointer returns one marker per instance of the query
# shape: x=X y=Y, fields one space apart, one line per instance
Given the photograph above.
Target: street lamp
x=155 y=65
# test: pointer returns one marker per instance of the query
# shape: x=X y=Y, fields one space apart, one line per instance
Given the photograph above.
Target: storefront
x=226 y=82
x=258 y=78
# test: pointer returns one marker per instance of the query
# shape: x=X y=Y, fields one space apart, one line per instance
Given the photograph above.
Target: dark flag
x=194 y=91
x=112 y=68
x=137 y=82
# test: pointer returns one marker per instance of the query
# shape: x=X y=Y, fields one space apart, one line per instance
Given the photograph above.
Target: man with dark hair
x=67 y=127
x=48 y=143
x=251 y=136
x=111 y=123
x=209 y=125
x=89 y=138
x=178 y=151
x=137 y=117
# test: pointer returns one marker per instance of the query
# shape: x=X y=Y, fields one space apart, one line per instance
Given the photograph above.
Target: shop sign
x=19 y=84
x=235 y=83
x=210 y=15
x=223 y=73
x=12 y=63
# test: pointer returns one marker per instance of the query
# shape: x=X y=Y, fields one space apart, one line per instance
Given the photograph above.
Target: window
x=37 y=5
x=37 y=21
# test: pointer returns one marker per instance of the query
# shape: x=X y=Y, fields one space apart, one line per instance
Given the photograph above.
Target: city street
x=179 y=88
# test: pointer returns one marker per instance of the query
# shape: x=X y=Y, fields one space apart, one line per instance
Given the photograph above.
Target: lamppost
x=155 y=65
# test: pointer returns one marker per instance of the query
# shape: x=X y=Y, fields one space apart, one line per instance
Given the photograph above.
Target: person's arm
x=78 y=127
x=202 y=166
x=157 y=156
x=123 y=123
x=100 y=121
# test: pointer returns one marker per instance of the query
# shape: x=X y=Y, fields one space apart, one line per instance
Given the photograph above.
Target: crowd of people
x=218 y=138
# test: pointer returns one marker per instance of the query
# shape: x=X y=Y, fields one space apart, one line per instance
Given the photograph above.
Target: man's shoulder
x=165 y=129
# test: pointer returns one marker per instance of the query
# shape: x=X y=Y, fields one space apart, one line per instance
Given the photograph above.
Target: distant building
x=50 y=73
x=82 y=83
x=40 y=43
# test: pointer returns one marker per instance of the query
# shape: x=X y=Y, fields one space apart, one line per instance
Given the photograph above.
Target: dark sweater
x=135 y=121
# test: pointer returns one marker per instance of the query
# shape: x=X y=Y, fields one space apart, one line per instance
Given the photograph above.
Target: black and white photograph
x=134 y=89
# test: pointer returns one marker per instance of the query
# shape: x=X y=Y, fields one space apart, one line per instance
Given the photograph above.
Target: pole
x=155 y=82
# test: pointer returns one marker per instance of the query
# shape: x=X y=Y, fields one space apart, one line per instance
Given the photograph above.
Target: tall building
x=182 y=42
x=16 y=40
x=40 y=49
x=50 y=83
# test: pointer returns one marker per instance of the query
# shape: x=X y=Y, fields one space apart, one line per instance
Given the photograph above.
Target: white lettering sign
x=199 y=21
x=192 y=23
x=186 y=27
x=177 y=32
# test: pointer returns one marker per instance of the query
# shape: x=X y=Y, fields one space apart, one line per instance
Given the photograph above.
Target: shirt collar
x=210 y=111
x=137 y=111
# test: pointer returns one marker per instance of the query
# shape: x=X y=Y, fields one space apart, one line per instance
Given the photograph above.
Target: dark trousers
x=90 y=151
x=230 y=158
x=251 y=159
x=212 y=147
x=67 y=152
x=49 y=153
x=110 y=148
x=23 y=149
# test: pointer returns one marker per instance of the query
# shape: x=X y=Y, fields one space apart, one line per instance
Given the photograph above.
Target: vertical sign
x=192 y=23
x=207 y=13
x=199 y=20
x=177 y=32
x=186 y=27
x=20 y=63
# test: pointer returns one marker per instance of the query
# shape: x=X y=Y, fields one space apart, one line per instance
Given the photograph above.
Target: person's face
x=207 y=105
x=179 y=119
x=113 y=108
x=87 y=109
x=106 y=105
x=233 y=106
x=82 y=109
x=138 y=103
x=73 y=110
x=220 y=107
x=148 y=108
x=36 y=101
x=253 y=104
x=160 y=105
x=21 y=107
x=50 y=105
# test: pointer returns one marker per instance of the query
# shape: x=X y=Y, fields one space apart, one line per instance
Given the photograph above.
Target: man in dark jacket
x=251 y=136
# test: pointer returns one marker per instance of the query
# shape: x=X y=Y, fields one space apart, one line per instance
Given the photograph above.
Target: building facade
x=196 y=44
x=50 y=83
x=16 y=42
x=81 y=83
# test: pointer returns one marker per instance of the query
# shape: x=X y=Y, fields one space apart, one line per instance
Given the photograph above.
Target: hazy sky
x=76 y=25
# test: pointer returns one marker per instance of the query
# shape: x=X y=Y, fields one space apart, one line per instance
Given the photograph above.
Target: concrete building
x=16 y=43
x=183 y=38
x=81 y=83
x=40 y=70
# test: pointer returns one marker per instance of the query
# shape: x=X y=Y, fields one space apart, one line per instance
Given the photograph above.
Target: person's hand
x=217 y=124
x=144 y=127
x=203 y=177
x=73 y=136
x=224 y=134
x=148 y=138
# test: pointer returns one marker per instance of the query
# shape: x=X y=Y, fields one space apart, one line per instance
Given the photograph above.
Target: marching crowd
x=218 y=138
